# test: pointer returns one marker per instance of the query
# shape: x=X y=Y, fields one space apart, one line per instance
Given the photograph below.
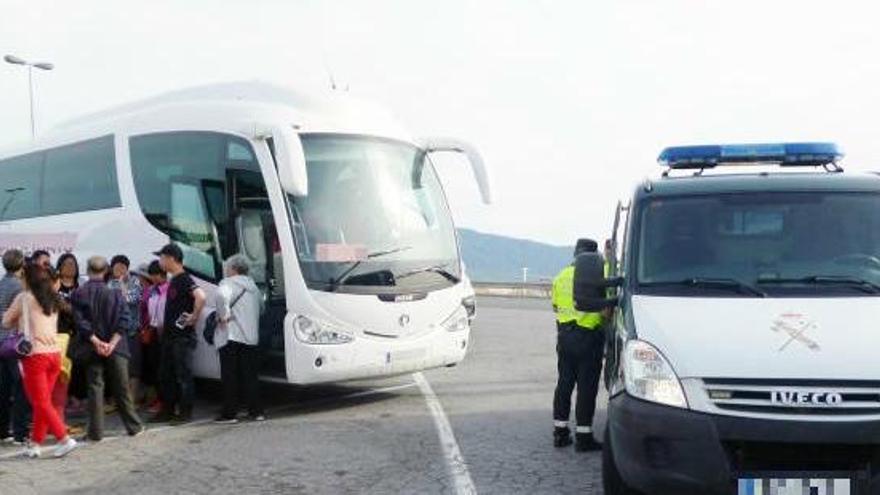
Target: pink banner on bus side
x=54 y=244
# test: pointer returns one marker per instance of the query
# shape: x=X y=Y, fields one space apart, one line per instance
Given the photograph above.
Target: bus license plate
x=794 y=486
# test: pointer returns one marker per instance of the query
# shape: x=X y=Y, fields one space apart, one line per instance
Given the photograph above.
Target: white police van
x=743 y=355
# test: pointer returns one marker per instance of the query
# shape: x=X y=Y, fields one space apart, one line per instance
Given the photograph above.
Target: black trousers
x=14 y=405
x=580 y=353
x=239 y=368
x=176 y=374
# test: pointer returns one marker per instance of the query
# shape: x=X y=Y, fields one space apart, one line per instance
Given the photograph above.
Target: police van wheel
x=611 y=480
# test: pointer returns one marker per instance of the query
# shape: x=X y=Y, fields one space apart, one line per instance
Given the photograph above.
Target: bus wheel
x=611 y=480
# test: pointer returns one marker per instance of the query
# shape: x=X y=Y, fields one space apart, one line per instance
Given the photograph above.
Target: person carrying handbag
x=239 y=303
x=14 y=408
x=35 y=313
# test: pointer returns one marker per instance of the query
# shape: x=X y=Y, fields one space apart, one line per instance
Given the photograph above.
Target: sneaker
x=64 y=448
x=140 y=431
x=225 y=420
x=586 y=443
x=11 y=442
x=32 y=451
x=561 y=437
x=257 y=417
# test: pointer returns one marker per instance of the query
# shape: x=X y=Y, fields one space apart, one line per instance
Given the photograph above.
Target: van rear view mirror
x=478 y=166
x=590 y=283
x=291 y=161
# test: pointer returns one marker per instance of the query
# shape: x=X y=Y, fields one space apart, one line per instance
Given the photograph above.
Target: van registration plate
x=795 y=486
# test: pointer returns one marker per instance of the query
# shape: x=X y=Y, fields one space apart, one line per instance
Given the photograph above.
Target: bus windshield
x=760 y=244
x=375 y=218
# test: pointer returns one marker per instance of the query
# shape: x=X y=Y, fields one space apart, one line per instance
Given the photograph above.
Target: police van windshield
x=760 y=244
x=375 y=218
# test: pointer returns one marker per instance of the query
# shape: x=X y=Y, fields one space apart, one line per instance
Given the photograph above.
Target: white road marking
x=458 y=469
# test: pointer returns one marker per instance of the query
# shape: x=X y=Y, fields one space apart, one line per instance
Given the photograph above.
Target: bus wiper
x=335 y=283
x=856 y=282
x=714 y=283
x=438 y=269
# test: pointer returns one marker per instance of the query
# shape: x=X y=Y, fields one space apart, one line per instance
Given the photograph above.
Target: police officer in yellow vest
x=580 y=348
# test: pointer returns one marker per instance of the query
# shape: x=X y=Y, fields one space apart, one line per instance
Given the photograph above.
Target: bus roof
x=239 y=107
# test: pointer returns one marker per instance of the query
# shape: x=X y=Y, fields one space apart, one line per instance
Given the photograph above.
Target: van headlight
x=458 y=321
x=649 y=376
x=313 y=331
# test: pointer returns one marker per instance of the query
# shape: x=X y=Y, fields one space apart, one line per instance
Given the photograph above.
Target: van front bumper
x=660 y=449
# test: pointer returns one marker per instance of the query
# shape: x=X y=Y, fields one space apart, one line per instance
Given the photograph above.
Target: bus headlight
x=470 y=305
x=649 y=376
x=319 y=332
x=458 y=321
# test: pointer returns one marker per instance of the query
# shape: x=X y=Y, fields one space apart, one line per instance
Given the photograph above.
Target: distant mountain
x=496 y=258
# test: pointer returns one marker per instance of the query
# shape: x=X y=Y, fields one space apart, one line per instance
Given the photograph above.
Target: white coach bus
x=338 y=209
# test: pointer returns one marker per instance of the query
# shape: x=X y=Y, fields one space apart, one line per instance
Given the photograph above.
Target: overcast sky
x=569 y=101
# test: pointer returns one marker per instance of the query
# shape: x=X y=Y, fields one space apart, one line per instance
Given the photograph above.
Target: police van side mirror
x=590 y=283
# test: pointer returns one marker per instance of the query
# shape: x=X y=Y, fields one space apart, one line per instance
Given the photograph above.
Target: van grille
x=795 y=397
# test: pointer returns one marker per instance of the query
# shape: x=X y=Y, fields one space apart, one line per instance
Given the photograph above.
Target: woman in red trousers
x=35 y=313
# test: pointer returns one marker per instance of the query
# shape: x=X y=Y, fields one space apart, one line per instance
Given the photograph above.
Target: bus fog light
x=313 y=331
x=458 y=321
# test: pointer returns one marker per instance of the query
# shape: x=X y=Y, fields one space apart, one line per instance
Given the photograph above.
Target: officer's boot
x=584 y=442
x=561 y=437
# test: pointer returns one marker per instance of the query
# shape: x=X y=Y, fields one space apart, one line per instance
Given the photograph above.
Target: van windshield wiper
x=438 y=269
x=855 y=282
x=345 y=275
x=712 y=283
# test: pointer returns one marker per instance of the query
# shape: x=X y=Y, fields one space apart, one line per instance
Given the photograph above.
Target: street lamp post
x=12 y=59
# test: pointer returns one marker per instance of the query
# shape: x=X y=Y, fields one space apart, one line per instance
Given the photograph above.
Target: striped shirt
x=10 y=286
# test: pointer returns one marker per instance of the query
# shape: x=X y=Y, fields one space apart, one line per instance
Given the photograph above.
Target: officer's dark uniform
x=580 y=348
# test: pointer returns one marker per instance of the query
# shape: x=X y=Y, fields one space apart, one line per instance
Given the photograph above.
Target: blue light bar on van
x=783 y=154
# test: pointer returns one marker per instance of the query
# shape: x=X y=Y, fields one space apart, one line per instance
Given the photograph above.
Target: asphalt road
x=486 y=429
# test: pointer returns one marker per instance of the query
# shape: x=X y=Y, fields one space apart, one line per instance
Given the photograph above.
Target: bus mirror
x=590 y=283
x=291 y=161
x=481 y=173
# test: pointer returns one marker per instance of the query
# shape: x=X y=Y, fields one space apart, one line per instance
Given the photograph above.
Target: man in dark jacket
x=13 y=403
x=102 y=320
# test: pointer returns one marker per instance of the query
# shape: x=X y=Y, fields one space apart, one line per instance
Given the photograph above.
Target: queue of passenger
x=62 y=338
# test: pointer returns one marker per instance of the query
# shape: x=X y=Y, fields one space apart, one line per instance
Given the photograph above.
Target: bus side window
x=206 y=192
x=181 y=184
x=193 y=229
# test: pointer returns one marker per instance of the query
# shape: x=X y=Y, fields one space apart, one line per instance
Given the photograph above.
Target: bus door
x=254 y=235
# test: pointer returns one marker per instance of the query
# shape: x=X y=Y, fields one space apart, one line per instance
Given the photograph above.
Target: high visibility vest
x=563 y=302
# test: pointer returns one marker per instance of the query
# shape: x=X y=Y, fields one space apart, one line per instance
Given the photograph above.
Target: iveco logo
x=403 y=321
x=793 y=398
